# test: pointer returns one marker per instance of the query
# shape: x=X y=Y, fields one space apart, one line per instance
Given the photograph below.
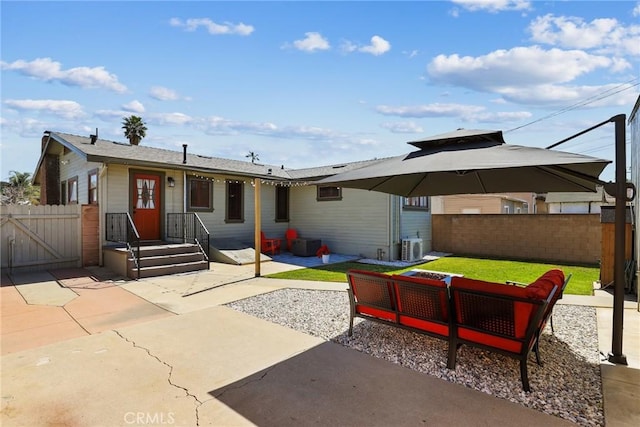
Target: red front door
x=146 y=205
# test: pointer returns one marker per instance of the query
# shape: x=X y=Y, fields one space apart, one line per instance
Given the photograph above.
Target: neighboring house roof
x=598 y=196
x=105 y=151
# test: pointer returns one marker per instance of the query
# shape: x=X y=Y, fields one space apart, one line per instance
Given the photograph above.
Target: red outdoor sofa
x=502 y=318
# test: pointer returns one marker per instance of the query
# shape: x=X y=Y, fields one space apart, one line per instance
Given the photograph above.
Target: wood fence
x=40 y=237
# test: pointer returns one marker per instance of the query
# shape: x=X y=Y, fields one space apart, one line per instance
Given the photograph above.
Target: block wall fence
x=560 y=238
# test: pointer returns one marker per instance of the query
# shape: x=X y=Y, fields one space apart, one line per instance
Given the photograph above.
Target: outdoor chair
x=269 y=245
x=289 y=235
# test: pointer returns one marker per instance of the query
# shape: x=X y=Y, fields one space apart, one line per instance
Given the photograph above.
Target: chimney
x=45 y=139
x=94 y=138
x=184 y=154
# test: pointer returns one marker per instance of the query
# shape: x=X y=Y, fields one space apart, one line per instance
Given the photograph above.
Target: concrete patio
x=92 y=350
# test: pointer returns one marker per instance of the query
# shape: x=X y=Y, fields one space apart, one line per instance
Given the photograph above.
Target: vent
x=411 y=250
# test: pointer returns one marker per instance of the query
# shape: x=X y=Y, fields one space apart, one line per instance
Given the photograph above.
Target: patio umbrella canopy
x=475 y=162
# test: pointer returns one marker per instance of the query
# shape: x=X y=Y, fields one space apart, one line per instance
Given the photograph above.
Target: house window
x=506 y=209
x=420 y=202
x=200 y=195
x=282 y=203
x=72 y=190
x=63 y=192
x=235 y=208
x=92 y=179
x=329 y=193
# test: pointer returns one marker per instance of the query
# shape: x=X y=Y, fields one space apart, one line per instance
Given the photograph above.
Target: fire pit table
x=429 y=274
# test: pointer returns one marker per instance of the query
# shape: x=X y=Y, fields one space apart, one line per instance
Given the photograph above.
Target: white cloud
x=48 y=70
x=134 y=106
x=64 y=109
x=312 y=42
x=170 y=118
x=402 y=127
x=566 y=95
x=430 y=110
x=192 y=24
x=377 y=47
x=517 y=67
x=636 y=10
x=493 y=6
x=163 y=93
x=465 y=112
x=602 y=34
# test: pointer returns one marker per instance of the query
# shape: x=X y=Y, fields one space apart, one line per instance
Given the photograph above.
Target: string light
x=241 y=181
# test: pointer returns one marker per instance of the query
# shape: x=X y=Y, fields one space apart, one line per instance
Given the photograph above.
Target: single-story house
x=151 y=186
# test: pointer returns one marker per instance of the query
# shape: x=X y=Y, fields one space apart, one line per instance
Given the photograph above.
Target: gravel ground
x=568 y=385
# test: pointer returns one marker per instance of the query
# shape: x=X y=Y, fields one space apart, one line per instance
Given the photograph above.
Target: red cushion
x=376 y=312
x=543 y=285
x=490 y=340
x=522 y=310
x=425 y=325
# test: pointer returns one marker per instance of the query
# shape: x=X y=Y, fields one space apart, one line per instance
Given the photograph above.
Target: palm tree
x=19 y=189
x=253 y=156
x=134 y=129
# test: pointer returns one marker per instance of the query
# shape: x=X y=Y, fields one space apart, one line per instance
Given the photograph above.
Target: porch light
x=171 y=181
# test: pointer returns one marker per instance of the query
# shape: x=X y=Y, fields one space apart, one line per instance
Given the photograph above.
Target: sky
x=305 y=84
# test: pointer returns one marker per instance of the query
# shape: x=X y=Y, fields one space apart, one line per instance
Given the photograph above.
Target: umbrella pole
x=616 y=355
x=620 y=190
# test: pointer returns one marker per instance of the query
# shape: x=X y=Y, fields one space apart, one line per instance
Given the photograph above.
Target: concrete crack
x=169 y=379
x=244 y=384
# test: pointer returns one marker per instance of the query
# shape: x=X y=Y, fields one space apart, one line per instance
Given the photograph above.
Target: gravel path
x=568 y=385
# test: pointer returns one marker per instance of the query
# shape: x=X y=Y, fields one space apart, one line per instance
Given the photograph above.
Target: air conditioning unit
x=411 y=249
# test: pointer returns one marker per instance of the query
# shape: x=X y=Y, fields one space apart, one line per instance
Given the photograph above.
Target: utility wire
x=590 y=100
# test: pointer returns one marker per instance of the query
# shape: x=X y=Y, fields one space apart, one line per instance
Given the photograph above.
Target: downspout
x=396 y=235
x=184 y=191
x=102 y=185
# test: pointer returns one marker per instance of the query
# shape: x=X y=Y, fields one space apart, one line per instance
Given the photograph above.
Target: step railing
x=121 y=229
x=189 y=228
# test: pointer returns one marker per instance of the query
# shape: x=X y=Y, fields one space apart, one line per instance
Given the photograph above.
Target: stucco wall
x=559 y=237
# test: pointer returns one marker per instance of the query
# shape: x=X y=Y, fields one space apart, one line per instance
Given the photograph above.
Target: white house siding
x=243 y=231
x=117 y=192
x=359 y=224
x=72 y=166
x=416 y=224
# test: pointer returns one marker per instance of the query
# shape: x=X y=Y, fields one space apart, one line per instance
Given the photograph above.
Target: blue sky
x=306 y=84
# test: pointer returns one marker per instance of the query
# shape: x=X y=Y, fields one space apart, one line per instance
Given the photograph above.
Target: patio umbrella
x=473 y=162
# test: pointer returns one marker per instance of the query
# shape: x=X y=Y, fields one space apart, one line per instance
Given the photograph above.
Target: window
x=63 y=193
x=506 y=209
x=235 y=208
x=329 y=193
x=72 y=190
x=200 y=195
x=282 y=203
x=92 y=179
x=420 y=202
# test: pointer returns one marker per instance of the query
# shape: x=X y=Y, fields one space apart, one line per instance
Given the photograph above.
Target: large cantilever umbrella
x=473 y=162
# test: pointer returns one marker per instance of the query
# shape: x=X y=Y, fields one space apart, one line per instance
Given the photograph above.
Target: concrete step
x=180 y=258
x=170 y=249
x=164 y=270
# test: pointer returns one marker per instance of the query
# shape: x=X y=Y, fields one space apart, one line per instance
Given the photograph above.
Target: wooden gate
x=40 y=237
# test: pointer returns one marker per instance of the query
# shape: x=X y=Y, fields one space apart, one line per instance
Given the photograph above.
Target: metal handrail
x=121 y=229
x=188 y=227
